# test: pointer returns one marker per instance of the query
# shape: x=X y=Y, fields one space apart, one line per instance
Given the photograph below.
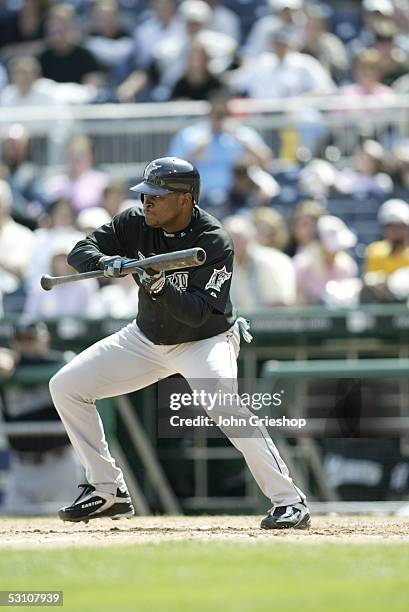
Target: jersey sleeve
x=212 y=281
x=109 y=239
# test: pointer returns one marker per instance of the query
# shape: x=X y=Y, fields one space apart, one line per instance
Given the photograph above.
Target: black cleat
x=92 y=504
x=296 y=516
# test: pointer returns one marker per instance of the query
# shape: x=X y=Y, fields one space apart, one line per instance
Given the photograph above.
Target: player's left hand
x=152 y=283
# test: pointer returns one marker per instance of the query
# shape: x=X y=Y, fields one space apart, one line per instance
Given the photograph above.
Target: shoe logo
x=94 y=503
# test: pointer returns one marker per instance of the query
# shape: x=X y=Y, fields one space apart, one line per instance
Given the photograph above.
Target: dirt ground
x=51 y=532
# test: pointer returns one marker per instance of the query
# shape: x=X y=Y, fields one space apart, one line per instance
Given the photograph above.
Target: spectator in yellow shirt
x=388 y=255
x=387 y=261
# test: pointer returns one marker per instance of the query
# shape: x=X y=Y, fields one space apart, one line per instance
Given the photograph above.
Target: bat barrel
x=175 y=260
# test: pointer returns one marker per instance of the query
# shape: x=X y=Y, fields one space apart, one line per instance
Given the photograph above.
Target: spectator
x=58 y=224
x=43 y=468
x=394 y=62
x=168 y=62
x=270 y=227
x=220 y=47
x=84 y=186
x=108 y=41
x=303 y=226
x=324 y=268
x=197 y=83
x=224 y=20
x=22 y=30
x=16 y=241
x=283 y=73
x=285 y=13
x=215 y=145
x=70 y=300
x=26 y=88
x=317 y=179
x=374 y=12
x=23 y=176
x=368 y=175
x=327 y=48
x=251 y=187
x=367 y=74
x=64 y=59
x=163 y=22
x=387 y=260
x=91 y=219
x=400 y=166
x=114 y=196
x=401 y=18
x=392 y=253
x=262 y=276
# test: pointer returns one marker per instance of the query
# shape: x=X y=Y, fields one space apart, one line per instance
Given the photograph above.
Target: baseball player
x=185 y=325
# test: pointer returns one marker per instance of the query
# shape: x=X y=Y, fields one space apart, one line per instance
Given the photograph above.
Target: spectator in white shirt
x=26 y=87
x=224 y=20
x=16 y=241
x=70 y=300
x=23 y=175
x=284 y=13
x=282 y=74
x=57 y=225
x=108 y=41
x=163 y=22
x=262 y=276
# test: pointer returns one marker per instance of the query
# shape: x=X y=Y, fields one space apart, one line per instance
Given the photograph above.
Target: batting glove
x=152 y=283
x=112 y=266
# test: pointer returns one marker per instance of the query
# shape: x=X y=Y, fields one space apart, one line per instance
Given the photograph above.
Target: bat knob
x=46 y=282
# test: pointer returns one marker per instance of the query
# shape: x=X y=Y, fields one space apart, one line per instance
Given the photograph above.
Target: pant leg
x=215 y=362
x=121 y=363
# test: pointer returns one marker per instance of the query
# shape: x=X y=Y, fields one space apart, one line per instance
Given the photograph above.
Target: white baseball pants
x=127 y=361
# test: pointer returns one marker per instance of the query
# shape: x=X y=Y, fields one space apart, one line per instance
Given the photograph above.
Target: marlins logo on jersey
x=218 y=278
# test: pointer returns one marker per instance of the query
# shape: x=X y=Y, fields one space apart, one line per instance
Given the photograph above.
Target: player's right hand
x=112 y=265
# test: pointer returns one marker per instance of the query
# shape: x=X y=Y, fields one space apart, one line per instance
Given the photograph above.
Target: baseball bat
x=177 y=260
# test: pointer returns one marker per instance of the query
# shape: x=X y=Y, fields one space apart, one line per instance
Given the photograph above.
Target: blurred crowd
x=127 y=50
x=318 y=231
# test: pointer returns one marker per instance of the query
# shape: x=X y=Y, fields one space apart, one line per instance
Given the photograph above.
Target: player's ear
x=187 y=199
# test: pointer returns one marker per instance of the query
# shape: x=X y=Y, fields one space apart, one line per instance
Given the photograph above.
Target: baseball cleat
x=92 y=504
x=296 y=516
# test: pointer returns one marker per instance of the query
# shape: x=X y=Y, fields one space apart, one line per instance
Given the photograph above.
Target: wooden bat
x=177 y=260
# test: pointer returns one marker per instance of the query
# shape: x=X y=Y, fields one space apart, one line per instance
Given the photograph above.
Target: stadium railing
x=126 y=136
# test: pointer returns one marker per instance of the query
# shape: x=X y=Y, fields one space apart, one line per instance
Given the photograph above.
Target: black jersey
x=195 y=303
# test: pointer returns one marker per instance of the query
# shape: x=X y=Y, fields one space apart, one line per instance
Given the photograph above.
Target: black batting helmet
x=170 y=175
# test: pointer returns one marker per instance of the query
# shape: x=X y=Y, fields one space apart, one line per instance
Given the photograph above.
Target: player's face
x=163 y=211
